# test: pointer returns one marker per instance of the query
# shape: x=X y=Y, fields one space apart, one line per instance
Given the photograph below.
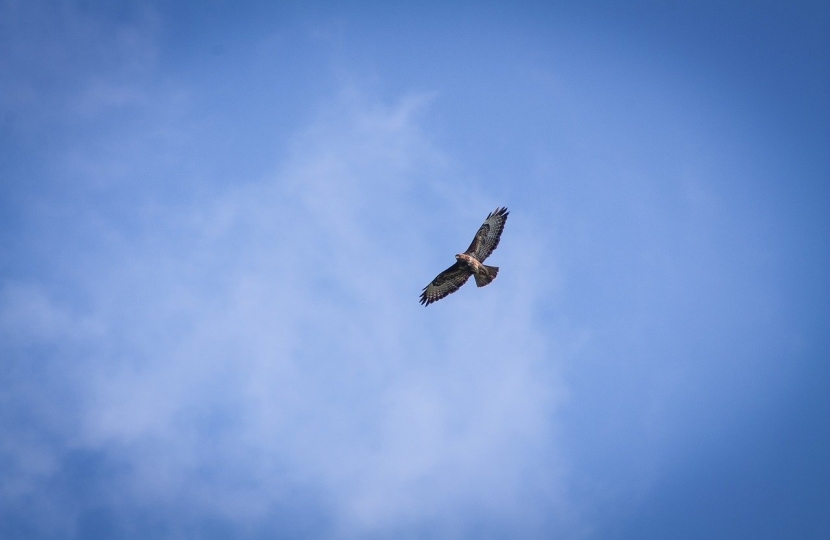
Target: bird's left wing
x=447 y=282
x=488 y=235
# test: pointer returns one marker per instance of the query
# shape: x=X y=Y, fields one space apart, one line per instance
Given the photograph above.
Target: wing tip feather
x=499 y=212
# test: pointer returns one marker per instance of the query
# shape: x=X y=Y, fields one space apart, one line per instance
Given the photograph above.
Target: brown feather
x=485 y=242
x=488 y=235
x=445 y=283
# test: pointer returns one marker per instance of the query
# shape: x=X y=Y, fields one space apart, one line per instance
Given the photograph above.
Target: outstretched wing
x=488 y=235
x=447 y=282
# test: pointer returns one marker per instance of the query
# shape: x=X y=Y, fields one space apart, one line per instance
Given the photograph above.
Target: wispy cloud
x=268 y=339
x=215 y=224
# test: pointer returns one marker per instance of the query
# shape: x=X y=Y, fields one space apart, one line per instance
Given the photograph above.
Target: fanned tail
x=492 y=272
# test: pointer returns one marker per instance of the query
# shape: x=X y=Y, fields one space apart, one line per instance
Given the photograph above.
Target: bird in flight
x=470 y=262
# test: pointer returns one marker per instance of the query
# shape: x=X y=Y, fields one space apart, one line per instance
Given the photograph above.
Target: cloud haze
x=215 y=224
x=265 y=341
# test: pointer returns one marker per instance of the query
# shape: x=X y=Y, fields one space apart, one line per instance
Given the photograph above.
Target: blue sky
x=216 y=219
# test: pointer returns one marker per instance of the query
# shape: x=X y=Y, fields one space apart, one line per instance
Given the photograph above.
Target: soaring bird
x=470 y=262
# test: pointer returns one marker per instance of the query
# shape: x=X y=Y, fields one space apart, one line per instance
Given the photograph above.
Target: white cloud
x=229 y=348
x=272 y=338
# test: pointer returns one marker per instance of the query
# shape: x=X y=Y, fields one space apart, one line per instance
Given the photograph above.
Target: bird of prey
x=470 y=262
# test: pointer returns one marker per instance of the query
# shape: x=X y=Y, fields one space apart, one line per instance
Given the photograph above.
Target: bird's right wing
x=447 y=282
x=488 y=235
